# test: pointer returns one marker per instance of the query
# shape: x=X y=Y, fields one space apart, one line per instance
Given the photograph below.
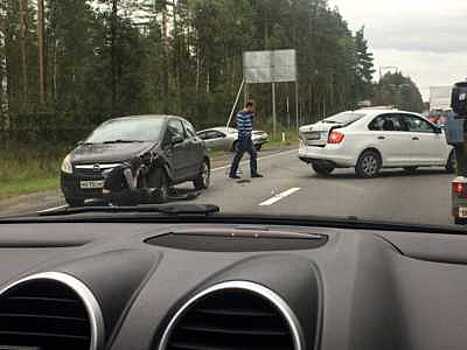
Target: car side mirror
x=176 y=139
x=438 y=129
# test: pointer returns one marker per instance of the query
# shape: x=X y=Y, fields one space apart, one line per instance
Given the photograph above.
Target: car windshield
x=314 y=108
x=128 y=130
x=344 y=118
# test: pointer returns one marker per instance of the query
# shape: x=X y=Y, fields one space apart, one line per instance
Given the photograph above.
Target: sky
x=425 y=39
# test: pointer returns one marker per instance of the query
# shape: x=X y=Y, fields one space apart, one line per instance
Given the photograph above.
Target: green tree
x=397 y=90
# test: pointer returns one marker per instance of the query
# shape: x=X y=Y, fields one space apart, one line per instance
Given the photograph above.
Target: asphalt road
x=291 y=187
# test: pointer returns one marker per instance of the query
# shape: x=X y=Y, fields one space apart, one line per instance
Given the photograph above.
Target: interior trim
x=93 y=309
x=258 y=289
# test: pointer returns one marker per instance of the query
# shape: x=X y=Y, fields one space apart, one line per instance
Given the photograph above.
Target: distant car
x=369 y=140
x=128 y=154
x=223 y=138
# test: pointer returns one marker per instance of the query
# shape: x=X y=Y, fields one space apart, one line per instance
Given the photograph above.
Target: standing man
x=245 y=143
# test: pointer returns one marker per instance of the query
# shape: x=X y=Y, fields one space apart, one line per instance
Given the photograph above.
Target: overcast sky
x=426 y=39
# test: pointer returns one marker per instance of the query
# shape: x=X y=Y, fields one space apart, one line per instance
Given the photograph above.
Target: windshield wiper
x=166 y=209
x=123 y=141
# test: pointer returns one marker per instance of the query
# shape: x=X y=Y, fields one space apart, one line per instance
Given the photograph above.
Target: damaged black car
x=136 y=158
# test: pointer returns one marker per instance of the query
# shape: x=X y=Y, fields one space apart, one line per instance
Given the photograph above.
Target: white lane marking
x=53 y=209
x=260 y=158
x=279 y=196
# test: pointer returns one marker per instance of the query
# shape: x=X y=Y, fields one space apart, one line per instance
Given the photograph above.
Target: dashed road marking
x=279 y=197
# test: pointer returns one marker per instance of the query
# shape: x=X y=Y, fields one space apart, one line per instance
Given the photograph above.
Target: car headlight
x=66 y=165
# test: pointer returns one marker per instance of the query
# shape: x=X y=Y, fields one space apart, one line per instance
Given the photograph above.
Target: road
x=291 y=187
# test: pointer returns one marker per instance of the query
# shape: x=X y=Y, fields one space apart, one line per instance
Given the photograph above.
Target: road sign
x=277 y=66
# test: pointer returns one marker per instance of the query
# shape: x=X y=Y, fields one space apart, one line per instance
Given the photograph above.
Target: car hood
x=102 y=153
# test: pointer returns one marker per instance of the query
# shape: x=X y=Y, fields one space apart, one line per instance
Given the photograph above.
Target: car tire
x=161 y=193
x=452 y=163
x=368 y=165
x=203 y=179
x=459 y=221
x=410 y=170
x=322 y=169
x=74 y=202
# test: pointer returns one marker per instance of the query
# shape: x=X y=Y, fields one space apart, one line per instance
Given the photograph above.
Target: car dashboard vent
x=233 y=316
x=49 y=311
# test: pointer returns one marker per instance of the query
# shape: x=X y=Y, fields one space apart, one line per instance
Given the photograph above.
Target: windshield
x=344 y=118
x=315 y=108
x=127 y=130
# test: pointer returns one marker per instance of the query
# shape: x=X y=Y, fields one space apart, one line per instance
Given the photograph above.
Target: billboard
x=440 y=97
x=277 y=66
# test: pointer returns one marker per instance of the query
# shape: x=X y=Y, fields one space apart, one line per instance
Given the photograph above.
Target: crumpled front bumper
x=119 y=181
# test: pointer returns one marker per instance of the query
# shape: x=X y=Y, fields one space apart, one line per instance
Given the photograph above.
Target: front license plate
x=463 y=213
x=91 y=185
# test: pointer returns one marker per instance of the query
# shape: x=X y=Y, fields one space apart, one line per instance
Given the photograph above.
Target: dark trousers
x=245 y=145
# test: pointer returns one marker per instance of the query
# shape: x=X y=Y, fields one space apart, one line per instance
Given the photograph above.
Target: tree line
x=69 y=64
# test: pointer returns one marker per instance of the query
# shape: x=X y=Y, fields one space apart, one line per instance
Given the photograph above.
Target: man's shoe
x=235 y=177
x=257 y=176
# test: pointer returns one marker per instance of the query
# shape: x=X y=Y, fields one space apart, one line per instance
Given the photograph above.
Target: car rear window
x=344 y=118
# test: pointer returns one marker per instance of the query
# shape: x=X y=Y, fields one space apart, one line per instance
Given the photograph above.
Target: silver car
x=223 y=138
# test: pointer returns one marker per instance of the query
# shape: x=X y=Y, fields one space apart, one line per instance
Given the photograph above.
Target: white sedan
x=371 y=139
x=223 y=138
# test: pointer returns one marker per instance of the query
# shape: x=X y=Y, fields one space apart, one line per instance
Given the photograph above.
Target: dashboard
x=229 y=286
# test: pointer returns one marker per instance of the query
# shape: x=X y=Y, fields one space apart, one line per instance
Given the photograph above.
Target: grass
x=24 y=171
x=25 y=186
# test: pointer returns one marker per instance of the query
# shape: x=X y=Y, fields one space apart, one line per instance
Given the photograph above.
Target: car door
x=218 y=140
x=391 y=140
x=195 y=148
x=179 y=151
x=427 y=142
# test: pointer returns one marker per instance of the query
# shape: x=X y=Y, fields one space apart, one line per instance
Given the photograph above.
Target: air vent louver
x=232 y=319
x=46 y=314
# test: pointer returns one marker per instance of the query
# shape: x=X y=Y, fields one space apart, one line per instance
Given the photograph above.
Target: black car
x=137 y=154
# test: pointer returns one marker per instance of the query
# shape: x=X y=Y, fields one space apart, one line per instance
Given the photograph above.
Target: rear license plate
x=463 y=213
x=91 y=185
x=314 y=136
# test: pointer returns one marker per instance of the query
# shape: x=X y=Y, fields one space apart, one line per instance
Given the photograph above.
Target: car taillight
x=458 y=188
x=335 y=137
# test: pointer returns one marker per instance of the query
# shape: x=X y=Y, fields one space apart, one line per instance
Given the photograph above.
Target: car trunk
x=317 y=134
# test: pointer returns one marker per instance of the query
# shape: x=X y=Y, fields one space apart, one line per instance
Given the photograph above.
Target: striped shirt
x=244 y=124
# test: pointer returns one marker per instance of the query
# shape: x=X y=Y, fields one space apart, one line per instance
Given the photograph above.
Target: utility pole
x=40 y=35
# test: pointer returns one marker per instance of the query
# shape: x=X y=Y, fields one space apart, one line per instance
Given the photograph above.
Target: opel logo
x=96 y=167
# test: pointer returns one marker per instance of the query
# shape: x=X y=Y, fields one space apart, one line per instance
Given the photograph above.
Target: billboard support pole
x=235 y=103
x=297 y=113
x=274 y=115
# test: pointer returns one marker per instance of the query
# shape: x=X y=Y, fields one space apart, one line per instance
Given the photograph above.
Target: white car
x=223 y=138
x=371 y=139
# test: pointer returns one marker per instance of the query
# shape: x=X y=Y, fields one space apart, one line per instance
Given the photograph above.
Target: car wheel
x=161 y=193
x=452 y=163
x=410 y=169
x=459 y=221
x=203 y=179
x=322 y=169
x=368 y=165
x=73 y=202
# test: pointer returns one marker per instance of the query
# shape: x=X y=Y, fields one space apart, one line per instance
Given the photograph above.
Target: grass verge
x=24 y=171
